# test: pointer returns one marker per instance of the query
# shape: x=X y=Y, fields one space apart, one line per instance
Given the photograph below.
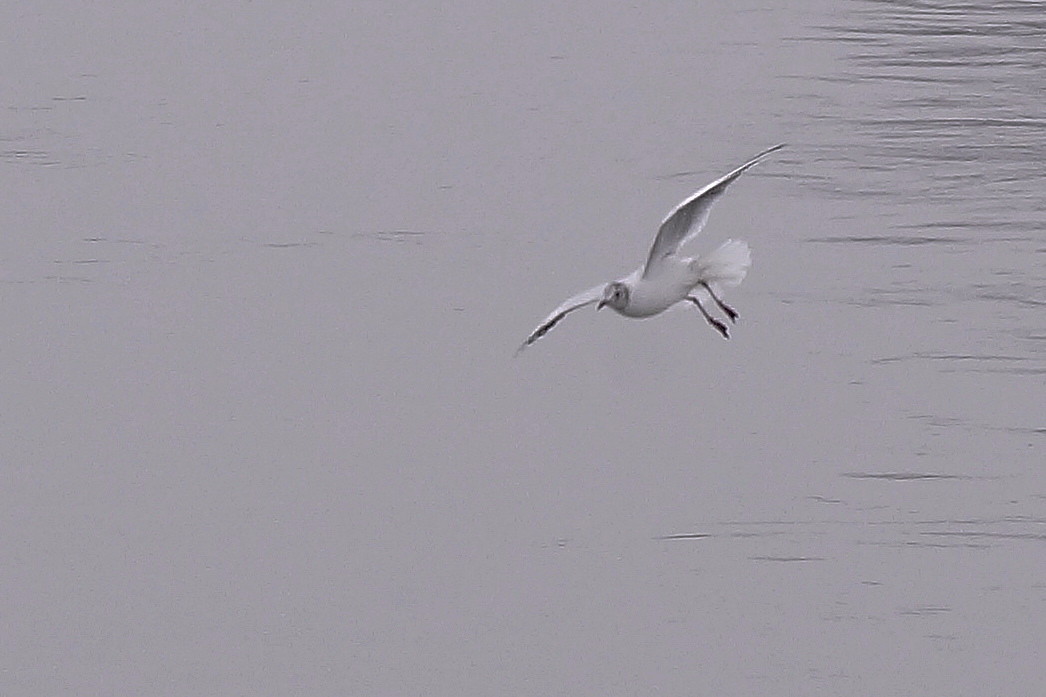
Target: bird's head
x=615 y=295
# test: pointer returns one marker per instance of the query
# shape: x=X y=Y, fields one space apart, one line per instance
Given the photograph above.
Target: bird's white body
x=667 y=277
x=649 y=297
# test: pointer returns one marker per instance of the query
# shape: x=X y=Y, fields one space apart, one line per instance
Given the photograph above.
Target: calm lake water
x=264 y=270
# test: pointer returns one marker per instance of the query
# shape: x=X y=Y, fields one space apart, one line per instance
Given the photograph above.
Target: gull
x=668 y=278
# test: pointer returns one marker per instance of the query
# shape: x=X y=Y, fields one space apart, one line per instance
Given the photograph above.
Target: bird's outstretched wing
x=683 y=223
x=578 y=301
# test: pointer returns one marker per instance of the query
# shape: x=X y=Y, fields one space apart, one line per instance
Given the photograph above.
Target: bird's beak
x=601 y=304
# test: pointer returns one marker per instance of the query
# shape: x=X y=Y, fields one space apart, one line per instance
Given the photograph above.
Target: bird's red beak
x=600 y=305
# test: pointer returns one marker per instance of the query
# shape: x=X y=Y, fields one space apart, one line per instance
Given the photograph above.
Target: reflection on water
x=785 y=559
x=806 y=539
x=1017 y=365
x=902 y=476
x=942 y=102
x=936 y=114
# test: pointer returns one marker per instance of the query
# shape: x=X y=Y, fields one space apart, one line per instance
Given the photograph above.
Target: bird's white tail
x=727 y=265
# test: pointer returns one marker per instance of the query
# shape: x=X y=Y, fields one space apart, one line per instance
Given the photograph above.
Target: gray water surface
x=264 y=270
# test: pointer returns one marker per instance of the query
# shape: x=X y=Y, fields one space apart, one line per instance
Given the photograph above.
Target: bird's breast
x=648 y=299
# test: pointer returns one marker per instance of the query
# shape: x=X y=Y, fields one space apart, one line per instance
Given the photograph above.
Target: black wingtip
x=775 y=148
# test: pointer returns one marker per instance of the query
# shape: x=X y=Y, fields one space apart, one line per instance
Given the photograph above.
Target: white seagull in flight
x=668 y=278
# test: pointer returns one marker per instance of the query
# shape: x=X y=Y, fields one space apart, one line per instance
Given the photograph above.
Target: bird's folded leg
x=730 y=312
x=720 y=327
